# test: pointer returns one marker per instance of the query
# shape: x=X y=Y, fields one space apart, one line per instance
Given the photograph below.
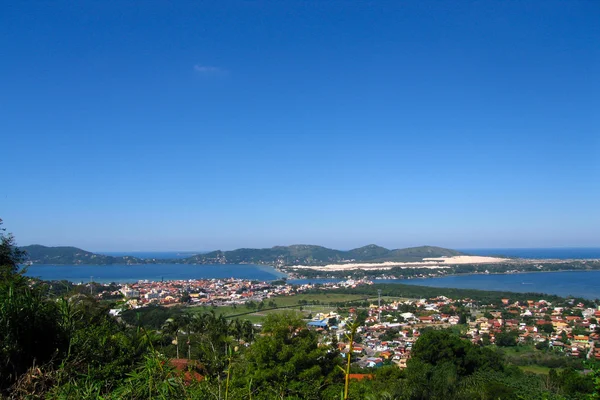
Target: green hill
x=299 y=254
x=318 y=255
x=38 y=254
x=369 y=252
x=413 y=254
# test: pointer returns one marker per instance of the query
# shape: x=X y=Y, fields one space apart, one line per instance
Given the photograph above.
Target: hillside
x=38 y=254
x=317 y=255
x=277 y=256
x=418 y=253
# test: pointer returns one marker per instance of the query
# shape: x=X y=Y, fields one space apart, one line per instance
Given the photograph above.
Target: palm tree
x=248 y=331
x=198 y=323
x=172 y=327
x=184 y=322
x=236 y=329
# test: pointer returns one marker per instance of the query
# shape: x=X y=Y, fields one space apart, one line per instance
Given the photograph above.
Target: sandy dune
x=431 y=263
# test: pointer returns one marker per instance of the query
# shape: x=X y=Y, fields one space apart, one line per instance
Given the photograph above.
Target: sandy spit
x=430 y=263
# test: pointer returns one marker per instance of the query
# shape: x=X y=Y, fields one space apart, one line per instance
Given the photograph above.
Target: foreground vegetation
x=67 y=346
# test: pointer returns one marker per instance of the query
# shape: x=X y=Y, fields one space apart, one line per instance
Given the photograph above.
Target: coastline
x=511 y=266
x=501 y=273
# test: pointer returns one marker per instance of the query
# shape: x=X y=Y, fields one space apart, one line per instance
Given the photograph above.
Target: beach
x=428 y=263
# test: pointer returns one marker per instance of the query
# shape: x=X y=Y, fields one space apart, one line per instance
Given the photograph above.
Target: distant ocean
x=561 y=253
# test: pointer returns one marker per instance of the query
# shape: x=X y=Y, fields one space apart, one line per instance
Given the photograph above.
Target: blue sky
x=203 y=125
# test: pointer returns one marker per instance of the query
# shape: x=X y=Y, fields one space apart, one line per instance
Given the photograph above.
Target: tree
x=10 y=255
x=29 y=329
x=506 y=339
x=286 y=361
x=542 y=345
x=172 y=327
x=185 y=298
x=547 y=328
x=485 y=339
x=436 y=347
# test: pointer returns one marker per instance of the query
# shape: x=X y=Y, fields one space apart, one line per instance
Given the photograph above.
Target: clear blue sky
x=203 y=125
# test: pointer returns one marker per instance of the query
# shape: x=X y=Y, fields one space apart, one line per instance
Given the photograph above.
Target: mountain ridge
x=296 y=254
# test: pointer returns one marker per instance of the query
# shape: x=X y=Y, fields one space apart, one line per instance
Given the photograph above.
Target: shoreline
x=456 y=275
x=501 y=273
x=510 y=272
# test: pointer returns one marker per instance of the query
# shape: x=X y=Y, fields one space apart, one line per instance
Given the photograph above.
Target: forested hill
x=38 y=254
x=317 y=255
x=278 y=256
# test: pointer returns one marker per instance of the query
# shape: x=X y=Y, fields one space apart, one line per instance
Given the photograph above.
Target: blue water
x=584 y=284
x=154 y=272
x=561 y=253
x=581 y=283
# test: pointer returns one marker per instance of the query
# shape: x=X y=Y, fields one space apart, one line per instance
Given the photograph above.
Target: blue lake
x=153 y=272
x=583 y=284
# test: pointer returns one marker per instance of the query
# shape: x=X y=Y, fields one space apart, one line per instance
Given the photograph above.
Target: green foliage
x=437 y=347
x=150 y=317
x=286 y=362
x=29 y=332
x=507 y=339
x=414 y=291
x=10 y=255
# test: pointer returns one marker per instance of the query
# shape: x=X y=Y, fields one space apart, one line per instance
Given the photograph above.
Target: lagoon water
x=577 y=283
x=584 y=284
x=154 y=272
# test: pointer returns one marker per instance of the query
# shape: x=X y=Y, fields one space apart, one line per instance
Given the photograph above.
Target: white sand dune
x=431 y=263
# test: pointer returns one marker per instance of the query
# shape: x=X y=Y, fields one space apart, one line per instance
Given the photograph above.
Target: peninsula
x=278 y=256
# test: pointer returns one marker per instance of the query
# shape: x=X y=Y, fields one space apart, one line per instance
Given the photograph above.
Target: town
x=388 y=327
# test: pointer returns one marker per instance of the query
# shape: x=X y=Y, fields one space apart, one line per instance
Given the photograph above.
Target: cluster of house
x=391 y=329
x=194 y=291
x=572 y=329
x=212 y=292
x=389 y=333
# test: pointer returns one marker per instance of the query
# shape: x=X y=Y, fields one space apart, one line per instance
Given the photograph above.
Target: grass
x=519 y=350
x=323 y=298
x=537 y=369
x=290 y=302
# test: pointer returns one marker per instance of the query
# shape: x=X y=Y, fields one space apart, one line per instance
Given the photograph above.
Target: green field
x=519 y=350
x=322 y=298
x=537 y=369
x=290 y=303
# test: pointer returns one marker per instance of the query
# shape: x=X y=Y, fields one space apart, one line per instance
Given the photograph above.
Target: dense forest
x=68 y=346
